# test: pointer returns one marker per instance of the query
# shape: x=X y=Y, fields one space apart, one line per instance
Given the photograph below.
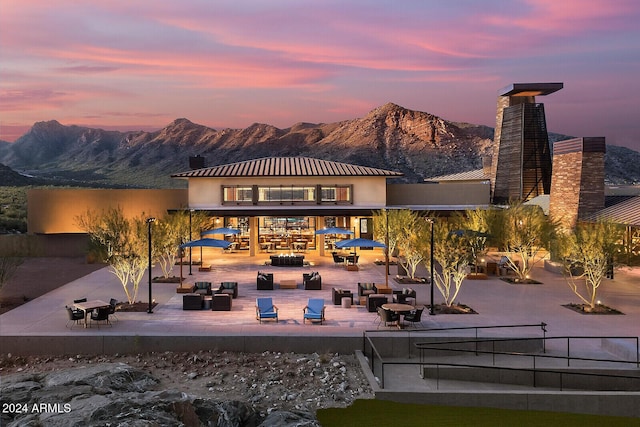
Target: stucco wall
x=52 y=211
x=206 y=193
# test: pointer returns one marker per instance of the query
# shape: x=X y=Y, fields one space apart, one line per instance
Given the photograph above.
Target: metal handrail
x=533 y=370
x=374 y=351
x=433 y=346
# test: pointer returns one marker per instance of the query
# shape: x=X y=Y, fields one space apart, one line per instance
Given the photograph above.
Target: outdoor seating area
x=90 y=312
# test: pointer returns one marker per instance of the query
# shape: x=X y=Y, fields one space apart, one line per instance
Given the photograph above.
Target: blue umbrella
x=221 y=230
x=359 y=243
x=333 y=230
x=211 y=243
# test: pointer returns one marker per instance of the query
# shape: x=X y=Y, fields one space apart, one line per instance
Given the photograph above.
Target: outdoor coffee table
x=288 y=284
x=89 y=306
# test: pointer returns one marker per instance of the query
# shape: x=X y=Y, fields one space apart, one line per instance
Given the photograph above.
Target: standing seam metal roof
x=627 y=212
x=286 y=166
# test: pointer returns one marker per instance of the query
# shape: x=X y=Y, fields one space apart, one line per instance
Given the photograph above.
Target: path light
x=190 y=237
x=149 y=221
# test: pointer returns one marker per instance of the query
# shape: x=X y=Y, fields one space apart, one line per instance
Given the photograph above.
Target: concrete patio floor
x=495 y=301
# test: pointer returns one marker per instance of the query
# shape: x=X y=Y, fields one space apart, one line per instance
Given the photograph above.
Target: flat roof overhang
x=530 y=89
x=306 y=210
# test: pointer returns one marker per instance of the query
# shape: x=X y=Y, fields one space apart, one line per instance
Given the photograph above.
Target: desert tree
x=415 y=245
x=452 y=251
x=474 y=225
x=392 y=223
x=524 y=232
x=125 y=243
x=588 y=254
x=171 y=231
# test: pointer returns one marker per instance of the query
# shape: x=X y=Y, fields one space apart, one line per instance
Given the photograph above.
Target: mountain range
x=419 y=144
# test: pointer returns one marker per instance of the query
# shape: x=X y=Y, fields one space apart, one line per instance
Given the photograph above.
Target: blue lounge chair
x=265 y=309
x=314 y=310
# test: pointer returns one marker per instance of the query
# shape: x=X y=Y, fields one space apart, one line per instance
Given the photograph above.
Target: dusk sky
x=140 y=64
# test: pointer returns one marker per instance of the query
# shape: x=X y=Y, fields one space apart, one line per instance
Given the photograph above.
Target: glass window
x=286 y=194
x=234 y=194
x=337 y=194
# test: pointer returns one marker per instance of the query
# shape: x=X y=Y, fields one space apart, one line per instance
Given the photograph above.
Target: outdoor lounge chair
x=314 y=310
x=230 y=288
x=264 y=281
x=312 y=281
x=265 y=309
x=75 y=316
x=400 y=295
x=203 y=288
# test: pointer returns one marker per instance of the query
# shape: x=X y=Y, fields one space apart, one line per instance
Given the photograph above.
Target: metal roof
x=285 y=167
x=627 y=212
x=473 y=175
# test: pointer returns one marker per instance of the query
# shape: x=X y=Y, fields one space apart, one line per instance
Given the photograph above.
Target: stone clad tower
x=577 y=184
x=521 y=162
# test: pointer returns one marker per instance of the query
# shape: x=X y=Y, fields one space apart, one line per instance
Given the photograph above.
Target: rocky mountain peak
x=419 y=144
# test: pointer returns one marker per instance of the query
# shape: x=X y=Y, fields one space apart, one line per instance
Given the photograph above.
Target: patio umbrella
x=359 y=243
x=210 y=243
x=221 y=230
x=333 y=230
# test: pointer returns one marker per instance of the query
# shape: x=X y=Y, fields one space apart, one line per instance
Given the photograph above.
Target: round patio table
x=401 y=309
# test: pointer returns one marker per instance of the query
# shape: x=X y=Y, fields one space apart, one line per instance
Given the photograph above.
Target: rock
x=290 y=419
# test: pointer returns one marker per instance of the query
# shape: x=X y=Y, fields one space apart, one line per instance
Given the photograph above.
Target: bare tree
x=588 y=254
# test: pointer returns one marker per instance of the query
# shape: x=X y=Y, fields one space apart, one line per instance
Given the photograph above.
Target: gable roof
x=286 y=167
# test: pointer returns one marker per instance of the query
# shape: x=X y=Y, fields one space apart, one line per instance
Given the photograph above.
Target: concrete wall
x=127 y=344
x=51 y=211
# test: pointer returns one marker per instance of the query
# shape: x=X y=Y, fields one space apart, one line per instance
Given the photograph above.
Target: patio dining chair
x=387 y=316
x=112 y=308
x=101 y=315
x=414 y=316
x=314 y=310
x=75 y=316
x=265 y=309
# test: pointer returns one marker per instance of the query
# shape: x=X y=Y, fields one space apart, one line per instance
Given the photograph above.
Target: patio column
x=320 y=237
x=253 y=235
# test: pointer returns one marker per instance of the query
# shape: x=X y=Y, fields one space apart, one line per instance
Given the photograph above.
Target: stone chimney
x=577 y=180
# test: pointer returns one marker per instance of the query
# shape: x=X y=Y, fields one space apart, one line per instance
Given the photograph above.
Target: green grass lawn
x=374 y=413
